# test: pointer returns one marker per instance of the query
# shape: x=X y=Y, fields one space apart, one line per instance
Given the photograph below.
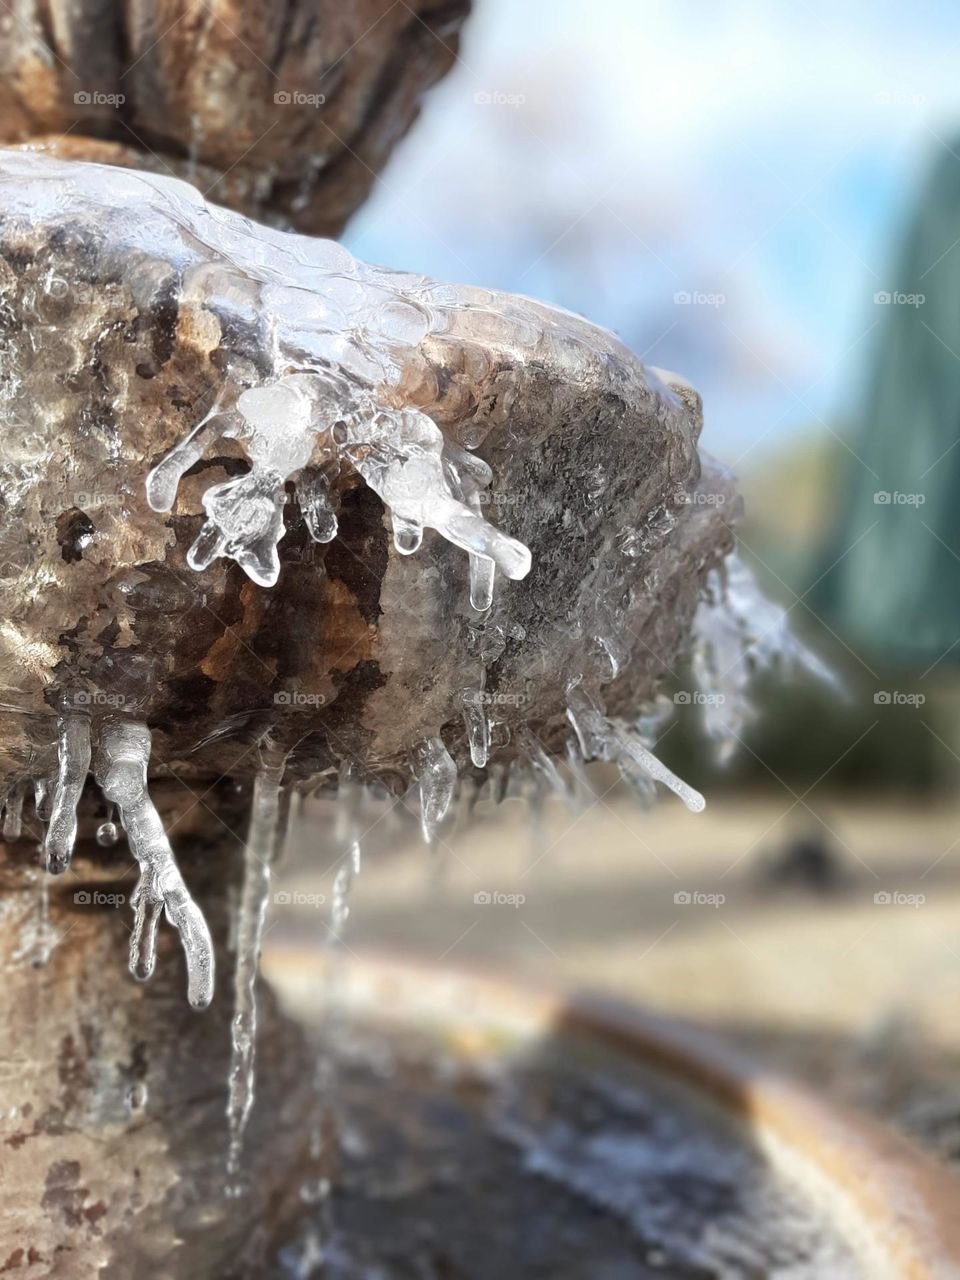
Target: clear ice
x=122 y=760
x=73 y=755
x=603 y=739
x=437 y=780
x=259 y=853
x=738 y=633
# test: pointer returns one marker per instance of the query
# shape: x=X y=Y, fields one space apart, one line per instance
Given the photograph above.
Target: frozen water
x=74 y=763
x=122 y=759
x=259 y=853
x=437 y=779
x=739 y=633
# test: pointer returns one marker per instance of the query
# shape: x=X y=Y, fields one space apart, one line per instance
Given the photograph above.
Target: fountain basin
x=651 y=1146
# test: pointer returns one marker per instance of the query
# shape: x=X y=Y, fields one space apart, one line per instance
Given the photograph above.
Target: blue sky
x=608 y=155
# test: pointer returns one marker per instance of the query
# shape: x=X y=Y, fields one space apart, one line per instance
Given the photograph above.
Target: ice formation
x=73 y=765
x=260 y=851
x=738 y=633
x=603 y=739
x=121 y=763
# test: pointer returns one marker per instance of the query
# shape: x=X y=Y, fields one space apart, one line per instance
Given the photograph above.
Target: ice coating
x=123 y=756
x=259 y=853
x=739 y=633
x=73 y=755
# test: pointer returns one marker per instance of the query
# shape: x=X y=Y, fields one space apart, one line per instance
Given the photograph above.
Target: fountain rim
x=895 y=1206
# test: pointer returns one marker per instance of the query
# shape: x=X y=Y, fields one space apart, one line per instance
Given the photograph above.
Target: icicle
x=581 y=791
x=13 y=813
x=542 y=763
x=123 y=755
x=43 y=947
x=477 y=726
x=259 y=853
x=483 y=574
x=74 y=762
x=737 y=634
x=43 y=797
x=603 y=739
x=318 y=512
x=163 y=480
x=437 y=778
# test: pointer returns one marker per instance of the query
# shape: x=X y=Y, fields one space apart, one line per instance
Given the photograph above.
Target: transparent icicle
x=543 y=766
x=123 y=757
x=164 y=479
x=604 y=739
x=483 y=574
x=13 y=813
x=43 y=797
x=477 y=726
x=73 y=765
x=260 y=851
x=437 y=778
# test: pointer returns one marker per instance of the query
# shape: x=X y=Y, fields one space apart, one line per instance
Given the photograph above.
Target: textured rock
x=286 y=111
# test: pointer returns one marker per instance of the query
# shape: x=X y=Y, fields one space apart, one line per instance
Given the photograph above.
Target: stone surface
x=113 y=1133
x=286 y=111
x=358 y=652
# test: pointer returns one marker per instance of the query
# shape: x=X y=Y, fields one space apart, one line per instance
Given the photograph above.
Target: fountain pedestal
x=113 y=1134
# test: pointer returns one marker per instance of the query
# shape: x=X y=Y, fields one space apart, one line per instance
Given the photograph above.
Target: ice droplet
x=259 y=853
x=73 y=765
x=107 y=834
x=437 y=779
x=123 y=756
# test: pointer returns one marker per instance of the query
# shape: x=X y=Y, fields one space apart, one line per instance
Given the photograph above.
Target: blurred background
x=765 y=199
